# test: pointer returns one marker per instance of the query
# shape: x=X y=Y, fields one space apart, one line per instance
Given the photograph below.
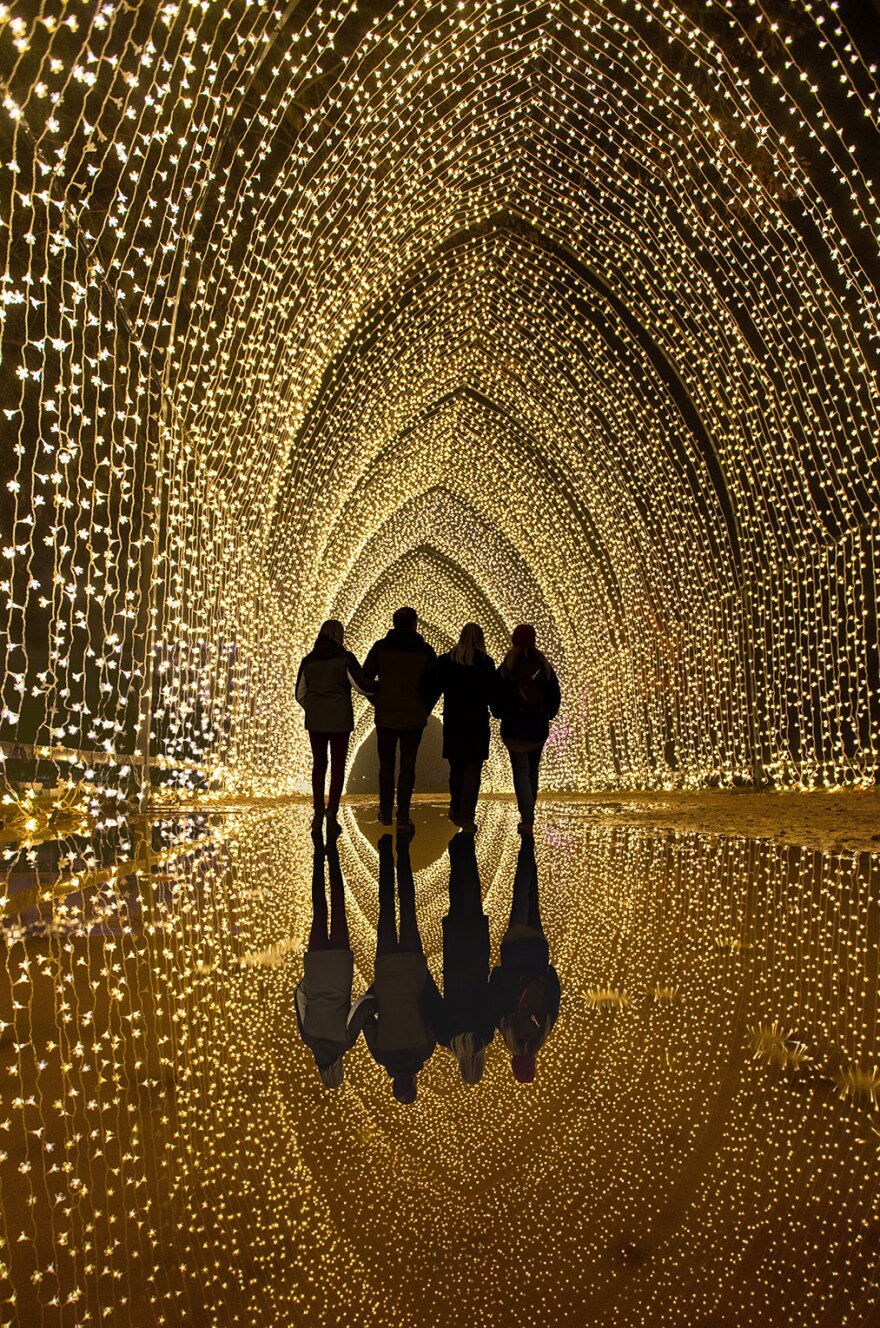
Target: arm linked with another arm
x=362 y=1018
x=358 y=678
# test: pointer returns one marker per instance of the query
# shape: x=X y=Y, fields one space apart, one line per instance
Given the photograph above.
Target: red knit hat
x=523 y=1069
x=524 y=637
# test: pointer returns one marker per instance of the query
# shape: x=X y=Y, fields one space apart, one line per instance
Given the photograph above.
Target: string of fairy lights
x=601 y=276
x=562 y=311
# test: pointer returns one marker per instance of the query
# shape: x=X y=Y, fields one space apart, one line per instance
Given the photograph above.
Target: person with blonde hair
x=323 y=689
x=468 y=1023
x=323 y=998
x=525 y=698
x=464 y=677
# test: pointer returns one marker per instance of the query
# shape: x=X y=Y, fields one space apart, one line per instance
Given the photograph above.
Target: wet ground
x=700 y=1145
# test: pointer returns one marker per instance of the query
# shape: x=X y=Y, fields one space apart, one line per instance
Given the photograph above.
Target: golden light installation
x=565 y=312
x=557 y=312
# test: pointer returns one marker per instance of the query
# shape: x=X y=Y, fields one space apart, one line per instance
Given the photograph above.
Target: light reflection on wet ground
x=700 y=1145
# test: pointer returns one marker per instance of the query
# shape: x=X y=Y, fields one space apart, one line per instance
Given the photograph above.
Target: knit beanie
x=523 y=1068
x=524 y=637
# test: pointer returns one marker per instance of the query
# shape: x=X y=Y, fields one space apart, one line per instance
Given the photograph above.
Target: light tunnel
x=551 y=312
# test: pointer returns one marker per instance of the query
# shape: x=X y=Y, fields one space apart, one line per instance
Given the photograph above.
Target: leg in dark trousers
x=406 y=782
x=522 y=786
x=338 y=938
x=410 y=940
x=319 y=743
x=386 y=929
x=471 y=776
x=524 y=906
x=534 y=766
x=455 y=773
x=386 y=744
x=338 y=753
x=534 y=905
x=465 y=899
x=318 y=938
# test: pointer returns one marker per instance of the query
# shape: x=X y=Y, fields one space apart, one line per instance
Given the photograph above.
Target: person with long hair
x=468 y=1022
x=323 y=997
x=526 y=698
x=524 y=987
x=323 y=689
x=464 y=677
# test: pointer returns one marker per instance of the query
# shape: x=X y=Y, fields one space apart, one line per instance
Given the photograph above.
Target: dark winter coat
x=466 y=690
x=525 y=958
x=399 y=1014
x=323 y=687
x=520 y=720
x=466 y=1003
x=398 y=669
x=323 y=1004
x=467 y=1007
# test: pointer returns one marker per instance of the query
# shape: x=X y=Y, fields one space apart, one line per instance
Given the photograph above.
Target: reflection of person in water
x=524 y=986
x=468 y=1021
x=400 y=1012
x=323 y=998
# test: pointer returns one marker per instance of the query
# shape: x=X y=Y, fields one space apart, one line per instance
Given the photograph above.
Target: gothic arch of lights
x=564 y=312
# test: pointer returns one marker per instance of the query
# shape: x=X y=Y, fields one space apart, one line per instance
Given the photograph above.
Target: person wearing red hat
x=524 y=988
x=525 y=699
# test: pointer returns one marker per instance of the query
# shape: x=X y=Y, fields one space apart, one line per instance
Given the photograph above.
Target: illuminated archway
x=580 y=297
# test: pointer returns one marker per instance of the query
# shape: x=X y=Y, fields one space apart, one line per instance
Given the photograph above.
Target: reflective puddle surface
x=674 y=1038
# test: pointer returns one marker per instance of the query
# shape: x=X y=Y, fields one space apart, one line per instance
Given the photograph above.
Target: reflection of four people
x=403 y=1015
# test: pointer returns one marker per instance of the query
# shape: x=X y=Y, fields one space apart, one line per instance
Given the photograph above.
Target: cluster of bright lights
x=168 y=1150
x=560 y=312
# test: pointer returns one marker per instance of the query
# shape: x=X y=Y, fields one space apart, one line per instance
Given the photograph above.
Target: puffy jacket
x=399 y=668
x=323 y=686
x=521 y=721
x=525 y=959
x=323 y=1003
x=399 y=1014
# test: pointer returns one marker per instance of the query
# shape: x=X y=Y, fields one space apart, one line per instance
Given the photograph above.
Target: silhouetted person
x=524 y=986
x=323 y=997
x=400 y=1011
x=398 y=668
x=525 y=699
x=465 y=678
x=323 y=688
x=468 y=1019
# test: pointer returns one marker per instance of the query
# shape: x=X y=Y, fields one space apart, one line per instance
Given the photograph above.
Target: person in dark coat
x=524 y=987
x=323 y=997
x=323 y=689
x=525 y=699
x=468 y=1020
x=398 y=668
x=400 y=1012
x=465 y=678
